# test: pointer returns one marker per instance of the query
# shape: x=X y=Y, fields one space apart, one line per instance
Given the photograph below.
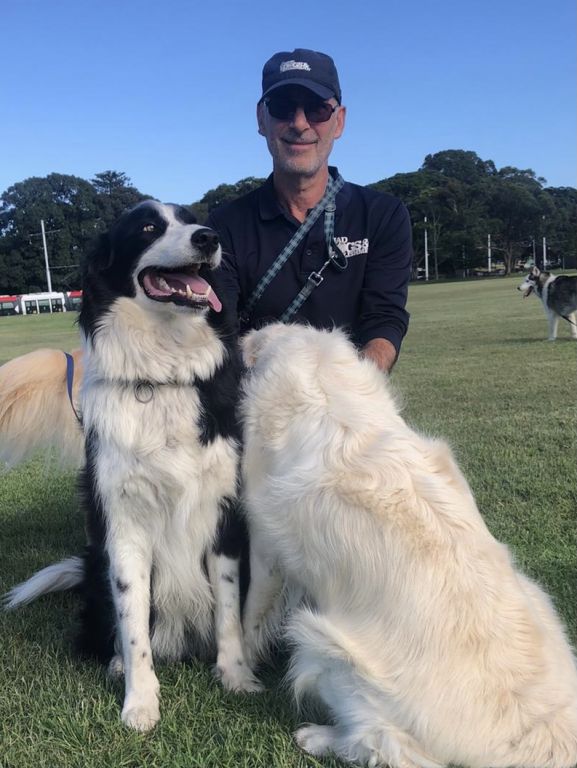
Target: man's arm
x=383 y=318
x=382 y=352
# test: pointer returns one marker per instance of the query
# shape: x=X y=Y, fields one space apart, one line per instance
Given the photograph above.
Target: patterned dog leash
x=326 y=205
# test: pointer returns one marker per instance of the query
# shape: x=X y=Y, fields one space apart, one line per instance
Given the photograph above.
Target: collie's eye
x=149 y=228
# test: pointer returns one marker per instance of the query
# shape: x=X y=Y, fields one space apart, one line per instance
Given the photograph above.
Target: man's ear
x=260 y=117
x=341 y=120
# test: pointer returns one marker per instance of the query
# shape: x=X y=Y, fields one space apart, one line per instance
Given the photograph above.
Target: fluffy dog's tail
x=35 y=410
x=330 y=663
x=307 y=632
x=547 y=737
x=67 y=574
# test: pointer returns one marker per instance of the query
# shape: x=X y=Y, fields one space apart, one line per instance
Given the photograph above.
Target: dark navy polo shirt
x=368 y=298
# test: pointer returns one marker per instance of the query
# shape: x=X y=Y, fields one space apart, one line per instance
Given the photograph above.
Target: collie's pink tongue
x=188 y=286
x=214 y=301
x=202 y=288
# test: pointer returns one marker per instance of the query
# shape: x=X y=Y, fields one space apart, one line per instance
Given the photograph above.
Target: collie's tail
x=59 y=577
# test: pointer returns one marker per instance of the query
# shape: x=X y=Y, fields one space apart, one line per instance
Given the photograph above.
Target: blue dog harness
x=69 y=383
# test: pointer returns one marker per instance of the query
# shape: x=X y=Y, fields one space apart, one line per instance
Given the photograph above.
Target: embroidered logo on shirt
x=286 y=66
x=353 y=248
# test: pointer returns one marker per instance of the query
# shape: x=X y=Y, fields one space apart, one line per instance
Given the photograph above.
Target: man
x=353 y=274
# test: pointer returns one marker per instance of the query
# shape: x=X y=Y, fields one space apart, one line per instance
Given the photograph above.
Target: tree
x=226 y=192
x=463 y=197
x=68 y=207
x=560 y=225
x=115 y=195
x=453 y=208
x=107 y=182
x=73 y=210
x=419 y=190
x=459 y=164
x=515 y=206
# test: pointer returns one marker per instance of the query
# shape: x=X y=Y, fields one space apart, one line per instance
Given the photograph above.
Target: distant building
x=42 y=303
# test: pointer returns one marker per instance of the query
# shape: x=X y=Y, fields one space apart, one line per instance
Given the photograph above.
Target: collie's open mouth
x=184 y=287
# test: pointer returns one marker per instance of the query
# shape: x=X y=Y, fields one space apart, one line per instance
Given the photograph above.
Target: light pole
x=426 y=252
x=49 y=280
x=489 y=254
x=42 y=234
x=544 y=248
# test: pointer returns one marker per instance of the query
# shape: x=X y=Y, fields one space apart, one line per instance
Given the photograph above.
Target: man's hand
x=381 y=352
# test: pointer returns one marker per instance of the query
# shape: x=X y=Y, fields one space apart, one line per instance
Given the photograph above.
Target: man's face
x=297 y=143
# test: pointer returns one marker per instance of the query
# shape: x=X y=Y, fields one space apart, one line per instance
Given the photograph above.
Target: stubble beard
x=300 y=166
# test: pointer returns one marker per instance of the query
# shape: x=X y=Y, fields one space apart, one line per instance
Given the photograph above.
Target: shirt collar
x=269 y=207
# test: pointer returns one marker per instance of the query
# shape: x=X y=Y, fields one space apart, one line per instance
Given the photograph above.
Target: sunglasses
x=285 y=109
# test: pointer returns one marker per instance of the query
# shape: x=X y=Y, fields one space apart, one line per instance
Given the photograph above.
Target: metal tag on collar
x=143 y=391
x=337 y=257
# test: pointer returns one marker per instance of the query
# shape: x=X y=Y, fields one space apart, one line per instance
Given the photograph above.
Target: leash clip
x=316 y=278
x=337 y=257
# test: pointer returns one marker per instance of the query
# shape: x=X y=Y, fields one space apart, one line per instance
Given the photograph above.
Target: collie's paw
x=238 y=677
x=317 y=740
x=141 y=717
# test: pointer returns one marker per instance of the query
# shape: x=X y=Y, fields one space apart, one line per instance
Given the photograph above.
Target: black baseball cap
x=310 y=69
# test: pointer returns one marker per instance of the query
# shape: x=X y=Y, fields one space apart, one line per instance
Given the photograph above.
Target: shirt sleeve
x=385 y=286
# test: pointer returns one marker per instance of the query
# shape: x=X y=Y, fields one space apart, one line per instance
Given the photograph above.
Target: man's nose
x=299 y=119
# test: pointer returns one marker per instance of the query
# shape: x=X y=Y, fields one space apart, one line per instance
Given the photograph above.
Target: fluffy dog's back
x=422 y=627
x=35 y=411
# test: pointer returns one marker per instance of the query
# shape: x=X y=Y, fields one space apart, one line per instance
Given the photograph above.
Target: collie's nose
x=206 y=240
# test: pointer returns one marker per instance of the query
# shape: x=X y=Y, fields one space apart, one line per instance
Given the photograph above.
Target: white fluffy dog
x=424 y=642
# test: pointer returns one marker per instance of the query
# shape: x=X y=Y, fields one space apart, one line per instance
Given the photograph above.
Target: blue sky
x=166 y=91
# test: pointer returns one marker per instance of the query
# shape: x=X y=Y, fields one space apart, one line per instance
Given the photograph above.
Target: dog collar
x=142 y=388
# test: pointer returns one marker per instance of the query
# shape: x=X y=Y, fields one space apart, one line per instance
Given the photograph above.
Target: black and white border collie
x=160 y=577
x=558 y=294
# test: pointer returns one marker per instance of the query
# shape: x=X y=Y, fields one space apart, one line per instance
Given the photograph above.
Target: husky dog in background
x=160 y=578
x=558 y=294
x=417 y=632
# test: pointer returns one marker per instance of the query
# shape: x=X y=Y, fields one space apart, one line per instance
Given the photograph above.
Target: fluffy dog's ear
x=250 y=345
x=254 y=342
x=535 y=272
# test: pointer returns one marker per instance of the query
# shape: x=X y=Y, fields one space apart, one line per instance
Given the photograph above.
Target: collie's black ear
x=185 y=214
x=99 y=257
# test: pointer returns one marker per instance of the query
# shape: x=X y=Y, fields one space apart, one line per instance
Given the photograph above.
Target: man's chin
x=300 y=166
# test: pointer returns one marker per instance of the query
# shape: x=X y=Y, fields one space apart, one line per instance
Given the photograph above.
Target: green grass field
x=475 y=369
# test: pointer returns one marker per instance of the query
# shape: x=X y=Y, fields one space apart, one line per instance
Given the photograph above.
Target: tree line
x=457 y=198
